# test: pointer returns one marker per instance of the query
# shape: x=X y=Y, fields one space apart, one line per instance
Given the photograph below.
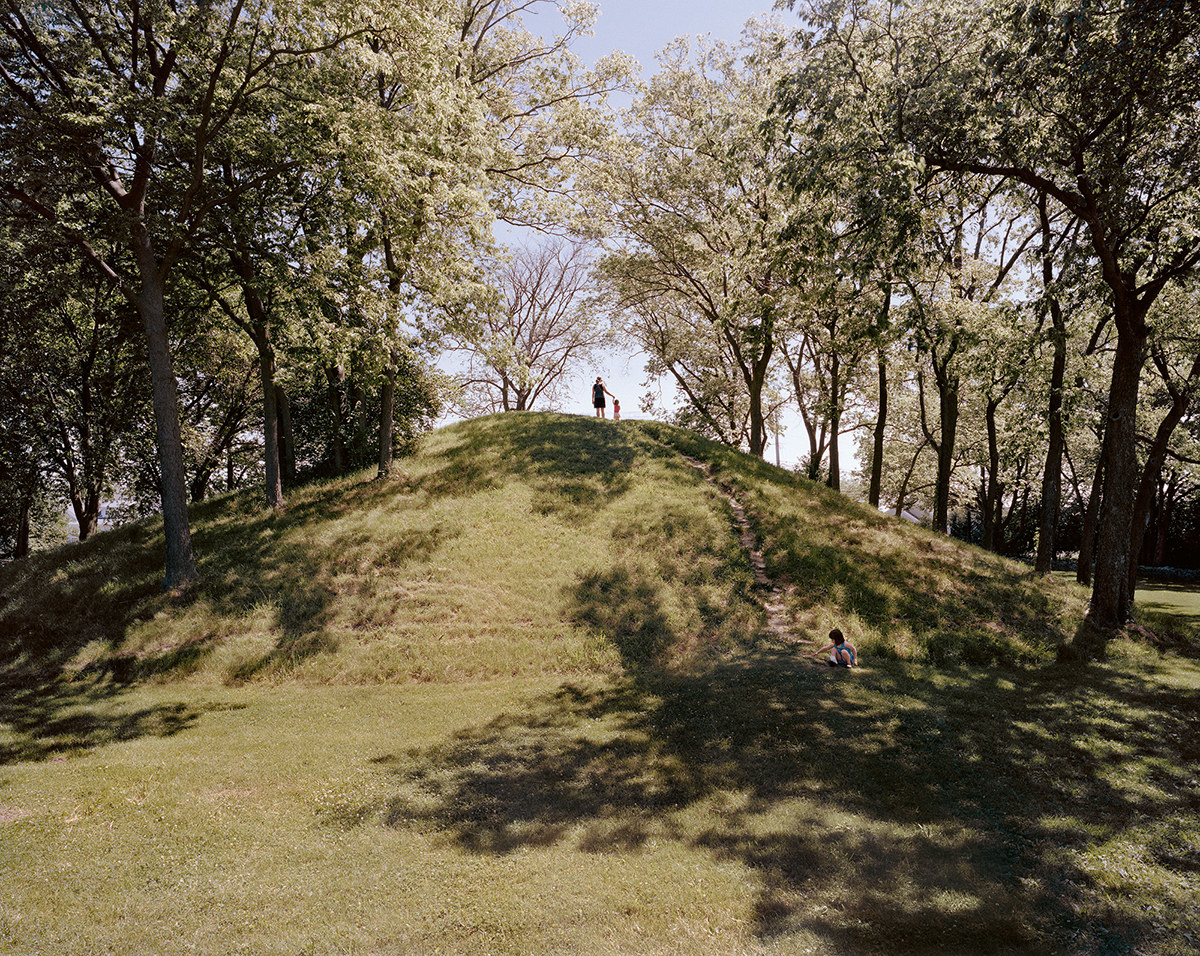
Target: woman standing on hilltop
x=598 y=393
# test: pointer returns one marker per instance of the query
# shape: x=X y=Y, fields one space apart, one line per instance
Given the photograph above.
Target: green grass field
x=520 y=700
x=1179 y=601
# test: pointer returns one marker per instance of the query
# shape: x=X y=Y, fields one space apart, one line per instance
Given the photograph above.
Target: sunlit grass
x=469 y=565
x=519 y=700
x=897 y=590
x=752 y=808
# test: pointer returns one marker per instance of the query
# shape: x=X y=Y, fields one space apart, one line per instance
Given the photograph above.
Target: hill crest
x=521 y=544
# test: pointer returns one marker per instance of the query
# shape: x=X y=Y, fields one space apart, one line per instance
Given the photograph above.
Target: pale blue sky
x=643 y=27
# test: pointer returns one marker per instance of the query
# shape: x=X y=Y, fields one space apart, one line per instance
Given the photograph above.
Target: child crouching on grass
x=842 y=652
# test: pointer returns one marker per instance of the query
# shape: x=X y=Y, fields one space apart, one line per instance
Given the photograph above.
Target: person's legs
x=844 y=658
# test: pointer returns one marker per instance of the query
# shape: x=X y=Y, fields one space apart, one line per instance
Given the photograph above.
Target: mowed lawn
x=765 y=806
x=1179 y=601
x=522 y=699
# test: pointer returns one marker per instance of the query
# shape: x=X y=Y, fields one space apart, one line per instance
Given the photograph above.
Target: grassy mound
x=514 y=546
x=553 y=721
x=509 y=546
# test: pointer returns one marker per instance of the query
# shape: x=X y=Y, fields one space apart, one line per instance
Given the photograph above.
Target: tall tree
x=695 y=218
x=127 y=106
x=1093 y=104
x=540 y=329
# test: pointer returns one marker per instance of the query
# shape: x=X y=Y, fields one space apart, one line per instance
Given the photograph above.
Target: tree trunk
x=1112 y=597
x=87 y=511
x=1152 y=472
x=835 y=423
x=335 y=375
x=273 y=483
x=198 y=489
x=877 y=437
x=992 y=490
x=24 y=521
x=1052 y=471
x=387 y=420
x=754 y=374
x=287 y=441
x=1163 y=525
x=903 y=493
x=948 y=414
x=758 y=431
x=1087 y=537
x=180 y=563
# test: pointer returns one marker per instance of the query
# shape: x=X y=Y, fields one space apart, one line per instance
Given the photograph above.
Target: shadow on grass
x=574 y=464
x=626 y=609
x=64 y=719
x=961 y=604
x=96 y=592
x=882 y=810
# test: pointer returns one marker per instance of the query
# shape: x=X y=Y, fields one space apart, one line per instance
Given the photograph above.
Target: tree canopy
x=965 y=234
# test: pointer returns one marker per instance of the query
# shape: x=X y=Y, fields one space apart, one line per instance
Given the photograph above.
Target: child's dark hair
x=835 y=636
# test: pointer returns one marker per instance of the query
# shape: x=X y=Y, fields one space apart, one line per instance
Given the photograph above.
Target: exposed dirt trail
x=774 y=598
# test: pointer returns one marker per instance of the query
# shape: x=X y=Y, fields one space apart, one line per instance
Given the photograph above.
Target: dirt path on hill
x=772 y=597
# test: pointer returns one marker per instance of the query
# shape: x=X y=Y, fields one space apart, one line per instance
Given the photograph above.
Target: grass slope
x=513 y=546
x=520 y=700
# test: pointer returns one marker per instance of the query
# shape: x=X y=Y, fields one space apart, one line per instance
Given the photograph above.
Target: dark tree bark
x=1166 y=512
x=943 y=443
x=1181 y=397
x=287 y=441
x=993 y=488
x=1087 y=539
x=878 y=433
x=753 y=364
x=1052 y=470
x=273 y=484
x=24 y=520
x=835 y=424
x=387 y=406
x=1112 y=597
x=180 y=563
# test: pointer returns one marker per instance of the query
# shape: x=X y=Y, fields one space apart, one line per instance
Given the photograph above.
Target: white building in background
x=914 y=513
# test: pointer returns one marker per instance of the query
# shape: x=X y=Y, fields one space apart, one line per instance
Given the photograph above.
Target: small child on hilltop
x=616 y=409
x=842 y=652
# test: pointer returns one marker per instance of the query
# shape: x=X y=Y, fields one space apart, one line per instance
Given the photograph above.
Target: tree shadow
x=961 y=604
x=574 y=465
x=625 y=607
x=920 y=817
x=249 y=557
x=62 y=719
